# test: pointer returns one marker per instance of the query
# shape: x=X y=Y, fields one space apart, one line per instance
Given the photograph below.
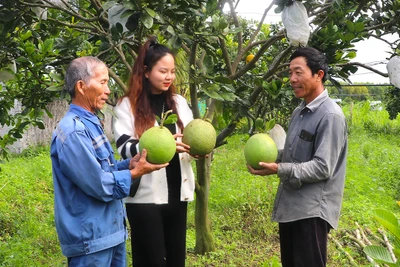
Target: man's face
x=304 y=83
x=96 y=91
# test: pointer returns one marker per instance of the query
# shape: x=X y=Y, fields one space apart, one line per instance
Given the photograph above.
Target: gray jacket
x=313 y=163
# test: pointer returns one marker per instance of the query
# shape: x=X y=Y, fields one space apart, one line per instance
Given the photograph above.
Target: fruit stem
x=164 y=116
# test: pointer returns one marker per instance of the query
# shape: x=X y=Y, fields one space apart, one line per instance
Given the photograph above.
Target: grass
x=240 y=204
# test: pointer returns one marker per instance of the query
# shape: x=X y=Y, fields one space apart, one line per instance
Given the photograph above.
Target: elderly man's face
x=96 y=91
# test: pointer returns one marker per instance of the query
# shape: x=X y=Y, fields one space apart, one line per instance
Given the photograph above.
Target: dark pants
x=158 y=233
x=304 y=243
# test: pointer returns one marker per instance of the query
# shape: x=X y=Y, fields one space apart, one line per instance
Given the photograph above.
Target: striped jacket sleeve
x=124 y=131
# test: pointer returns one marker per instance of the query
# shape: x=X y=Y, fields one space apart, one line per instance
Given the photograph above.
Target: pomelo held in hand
x=200 y=135
x=159 y=143
x=260 y=148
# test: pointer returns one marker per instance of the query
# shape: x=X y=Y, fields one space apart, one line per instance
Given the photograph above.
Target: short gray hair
x=80 y=69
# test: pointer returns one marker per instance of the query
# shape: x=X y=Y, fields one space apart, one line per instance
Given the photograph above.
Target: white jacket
x=153 y=187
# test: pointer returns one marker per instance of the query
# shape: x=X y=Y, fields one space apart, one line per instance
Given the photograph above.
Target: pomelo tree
x=42 y=36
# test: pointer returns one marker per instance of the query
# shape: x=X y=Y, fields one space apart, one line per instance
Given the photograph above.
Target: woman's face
x=162 y=75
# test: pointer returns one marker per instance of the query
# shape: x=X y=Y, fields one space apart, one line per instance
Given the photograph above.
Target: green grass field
x=240 y=203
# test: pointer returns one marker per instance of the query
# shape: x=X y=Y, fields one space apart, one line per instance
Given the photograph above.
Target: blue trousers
x=112 y=257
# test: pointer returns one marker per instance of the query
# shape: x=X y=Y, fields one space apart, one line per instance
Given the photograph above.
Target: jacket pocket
x=302 y=150
x=103 y=157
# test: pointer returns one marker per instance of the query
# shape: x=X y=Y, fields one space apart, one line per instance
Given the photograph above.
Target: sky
x=368 y=51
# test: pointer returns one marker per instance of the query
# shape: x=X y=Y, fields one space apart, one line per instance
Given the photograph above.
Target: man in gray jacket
x=311 y=167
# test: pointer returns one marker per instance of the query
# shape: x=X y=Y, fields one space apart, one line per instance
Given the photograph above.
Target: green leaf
x=171 y=119
x=270 y=124
x=228 y=96
x=348 y=37
x=211 y=5
x=47 y=45
x=396 y=252
x=170 y=29
x=26 y=35
x=350 y=25
x=56 y=76
x=359 y=26
x=30 y=48
x=379 y=254
x=55 y=88
x=151 y=12
x=147 y=21
x=212 y=91
x=17 y=135
x=351 y=55
x=40 y=125
x=223 y=79
x=235 y=30
x=388 y=220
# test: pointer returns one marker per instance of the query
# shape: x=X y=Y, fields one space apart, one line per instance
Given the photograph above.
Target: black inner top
x=173 y=169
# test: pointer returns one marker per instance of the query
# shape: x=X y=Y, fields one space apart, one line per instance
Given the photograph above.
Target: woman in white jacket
x=157 y=208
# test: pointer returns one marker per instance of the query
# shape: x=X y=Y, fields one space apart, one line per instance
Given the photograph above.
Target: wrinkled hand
x=180 y=146
x=134 y=161
x=142 y=166
x=266 y=169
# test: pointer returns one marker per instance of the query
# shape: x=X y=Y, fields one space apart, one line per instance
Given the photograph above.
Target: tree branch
x=365 y=67
x=192 y=84
x=260 y=52
x=358 y=241
x=236 y=23
x=250 y=43
x=75 y=14
x=225 y=56
x=341 y=249
x=122 y=57
x=387 y=244
x=118 y=80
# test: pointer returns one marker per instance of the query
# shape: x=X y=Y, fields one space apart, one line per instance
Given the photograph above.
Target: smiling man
x=89 y=184
x=311 y=167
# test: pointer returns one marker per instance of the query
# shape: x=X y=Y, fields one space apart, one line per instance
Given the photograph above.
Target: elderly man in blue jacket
x=89 y=183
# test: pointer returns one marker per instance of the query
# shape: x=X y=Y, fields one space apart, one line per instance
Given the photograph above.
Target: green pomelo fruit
x=159 y=143
x=200 y=135
x=260 y=148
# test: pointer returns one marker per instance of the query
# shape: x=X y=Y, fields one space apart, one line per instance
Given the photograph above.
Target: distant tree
x=392 y=102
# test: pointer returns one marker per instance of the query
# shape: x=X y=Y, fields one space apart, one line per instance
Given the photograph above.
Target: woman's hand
x=180 y=146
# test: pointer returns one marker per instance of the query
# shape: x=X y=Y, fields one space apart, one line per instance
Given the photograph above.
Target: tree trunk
x=204 y=237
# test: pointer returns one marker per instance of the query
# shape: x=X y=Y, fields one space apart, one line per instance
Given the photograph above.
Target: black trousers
x=158 y=233
x=304 y=243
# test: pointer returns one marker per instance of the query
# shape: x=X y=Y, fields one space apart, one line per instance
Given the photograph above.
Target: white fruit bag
x=393 y=68
x=295 y=20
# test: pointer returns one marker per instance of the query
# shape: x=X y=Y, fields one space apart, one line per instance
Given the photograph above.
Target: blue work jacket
x=89 y=185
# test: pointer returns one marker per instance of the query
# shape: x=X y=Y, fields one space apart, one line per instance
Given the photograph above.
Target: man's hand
x=266 y=169
x=141 y=166
x=134 y=161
